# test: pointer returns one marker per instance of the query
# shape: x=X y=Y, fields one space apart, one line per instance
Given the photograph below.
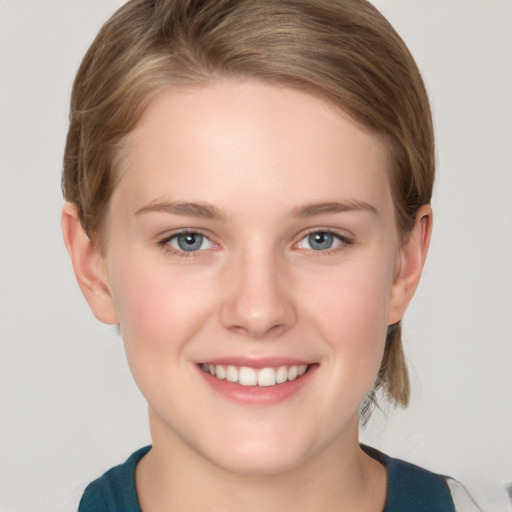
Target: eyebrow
x=208 y=211
x=312 y=209
x=186 y=209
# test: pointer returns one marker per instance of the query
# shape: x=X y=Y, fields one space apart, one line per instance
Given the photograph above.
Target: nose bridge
x=258 y=302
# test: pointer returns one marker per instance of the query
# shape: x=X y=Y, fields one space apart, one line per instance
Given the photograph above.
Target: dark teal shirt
x=410 y=488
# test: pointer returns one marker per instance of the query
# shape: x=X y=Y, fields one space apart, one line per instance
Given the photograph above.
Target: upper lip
x=257 y=362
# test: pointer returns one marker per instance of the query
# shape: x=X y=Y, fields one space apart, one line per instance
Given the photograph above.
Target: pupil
x=190 y=241
x=320 y=241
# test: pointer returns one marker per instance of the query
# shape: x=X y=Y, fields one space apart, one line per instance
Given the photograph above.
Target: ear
x=89 y=266
x=410 y=261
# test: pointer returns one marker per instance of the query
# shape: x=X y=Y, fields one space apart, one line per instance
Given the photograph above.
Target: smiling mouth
x=262 y=377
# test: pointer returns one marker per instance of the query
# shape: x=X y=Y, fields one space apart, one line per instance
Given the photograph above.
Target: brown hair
x=342 y=50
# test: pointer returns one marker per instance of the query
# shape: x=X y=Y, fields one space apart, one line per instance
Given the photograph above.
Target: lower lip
x=258 y=395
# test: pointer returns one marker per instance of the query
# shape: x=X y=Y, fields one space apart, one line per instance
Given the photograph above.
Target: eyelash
x=345 y=242
x=165 y=243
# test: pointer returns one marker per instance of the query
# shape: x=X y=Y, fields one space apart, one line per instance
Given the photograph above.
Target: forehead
x=258 y=139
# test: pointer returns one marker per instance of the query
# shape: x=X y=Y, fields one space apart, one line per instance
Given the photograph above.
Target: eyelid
x=164 y=241
x=345 y=240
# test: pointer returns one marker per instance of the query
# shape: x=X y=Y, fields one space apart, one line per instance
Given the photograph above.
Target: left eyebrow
x=312 y=209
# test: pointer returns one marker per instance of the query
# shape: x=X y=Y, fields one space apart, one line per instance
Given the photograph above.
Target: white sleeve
x=461 y=498
x=491 y=498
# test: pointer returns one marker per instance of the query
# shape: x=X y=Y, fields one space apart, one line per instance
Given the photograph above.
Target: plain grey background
x=69 y=409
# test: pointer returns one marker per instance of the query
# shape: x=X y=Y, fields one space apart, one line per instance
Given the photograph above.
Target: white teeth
x=292 y=373
x=220 y=371
x=264 y=377
x=247 y=376
x=282 y=375
x=231 y=374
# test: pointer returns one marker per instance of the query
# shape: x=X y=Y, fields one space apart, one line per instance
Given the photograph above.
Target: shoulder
x=462 y=500
x=115 y=490
x=411 y=487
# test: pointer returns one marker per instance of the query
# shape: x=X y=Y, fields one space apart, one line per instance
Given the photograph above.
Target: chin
x=251 y=462
x=260 y=451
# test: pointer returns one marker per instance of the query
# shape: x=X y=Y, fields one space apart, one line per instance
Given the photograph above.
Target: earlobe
x=89 y=266
x=412 y=257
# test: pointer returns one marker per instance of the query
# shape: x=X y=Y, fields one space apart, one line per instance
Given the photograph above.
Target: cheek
x=160 y=313
x=350 y=310
x=354 y=299
x=159 y=308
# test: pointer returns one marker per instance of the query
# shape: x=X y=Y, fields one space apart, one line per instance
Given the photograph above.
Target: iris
x=189 y=241
x=320 y=241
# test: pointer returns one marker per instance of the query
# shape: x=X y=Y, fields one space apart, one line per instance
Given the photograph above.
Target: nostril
x=257 y=322
x=257 y=302
x=259 y=331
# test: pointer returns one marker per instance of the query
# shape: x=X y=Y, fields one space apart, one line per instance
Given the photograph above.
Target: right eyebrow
x=185 y=209
x=312 y=209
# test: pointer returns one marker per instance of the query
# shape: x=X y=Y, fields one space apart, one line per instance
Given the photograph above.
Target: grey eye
x=189 y=242
x=321 y=241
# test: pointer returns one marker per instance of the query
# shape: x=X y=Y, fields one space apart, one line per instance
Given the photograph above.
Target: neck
x=172 y=476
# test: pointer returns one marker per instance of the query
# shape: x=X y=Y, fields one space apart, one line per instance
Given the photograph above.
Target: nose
x=259 y=300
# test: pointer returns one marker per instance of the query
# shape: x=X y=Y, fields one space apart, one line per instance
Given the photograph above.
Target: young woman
x=248 y=187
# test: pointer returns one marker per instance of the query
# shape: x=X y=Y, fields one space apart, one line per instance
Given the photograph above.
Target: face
x=251 y=260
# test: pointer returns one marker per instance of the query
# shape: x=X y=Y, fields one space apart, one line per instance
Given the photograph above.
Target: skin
x=259 y=156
